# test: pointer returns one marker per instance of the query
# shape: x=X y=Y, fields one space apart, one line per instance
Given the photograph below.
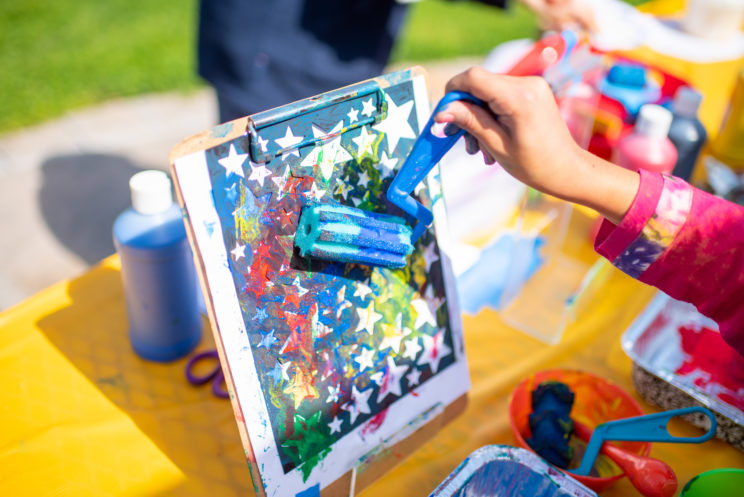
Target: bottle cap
x=653 y=120
x=151 y=192
x=687 y=101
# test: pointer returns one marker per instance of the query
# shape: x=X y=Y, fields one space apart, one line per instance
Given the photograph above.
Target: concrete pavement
x=63 y=182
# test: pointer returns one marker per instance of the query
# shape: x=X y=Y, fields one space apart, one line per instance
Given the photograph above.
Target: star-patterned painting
x=335 y=349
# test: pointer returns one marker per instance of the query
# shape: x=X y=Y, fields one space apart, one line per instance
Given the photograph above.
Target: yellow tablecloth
x=83 y=415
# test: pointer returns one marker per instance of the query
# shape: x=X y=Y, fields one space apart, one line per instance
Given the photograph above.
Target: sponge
x=341 y=233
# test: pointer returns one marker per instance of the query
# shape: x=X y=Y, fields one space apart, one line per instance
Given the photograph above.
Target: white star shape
x=300 y=290
x=388 y=164
x=365 y=359
x=395 y=125
x=430 y=255
x=376 y=378
x=367 y=319
x=289 y=140
x=341 y=307
x=434 y=350
x=328 y=153
x=363 y=179
x=434 y=302
x=280 y=181
x=359 y=403
x=341 y=295
x=362 y=291
x=315 y=192
x=343 y=188
x=333 y=393
x=368 y=108
x=238 y=251
x=335 y=425
x=259 y=173
x=412 y=348
x=391 y=380
x=353 y=115
x=233 y=163
x=364 y=141
x=413 y=377
x=392 y=342
x=285 y=368
x=423 y=313
x=263 y=143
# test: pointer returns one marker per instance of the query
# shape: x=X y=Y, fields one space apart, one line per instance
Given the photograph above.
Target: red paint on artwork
x=374 y=423
x=715 y=367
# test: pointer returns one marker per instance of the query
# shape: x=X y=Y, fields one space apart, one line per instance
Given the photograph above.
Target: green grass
x=439 y=29
x=59 y=55
x=65 y=54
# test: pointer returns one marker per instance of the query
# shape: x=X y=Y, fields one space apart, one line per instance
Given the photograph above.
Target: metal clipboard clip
x=325 y=107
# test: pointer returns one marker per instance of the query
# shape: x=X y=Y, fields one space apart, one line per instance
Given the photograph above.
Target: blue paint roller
x=341 y=233
x=426 y=153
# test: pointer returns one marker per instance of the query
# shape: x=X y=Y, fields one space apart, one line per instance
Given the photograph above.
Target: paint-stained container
x=157 y=271
x=501 y=470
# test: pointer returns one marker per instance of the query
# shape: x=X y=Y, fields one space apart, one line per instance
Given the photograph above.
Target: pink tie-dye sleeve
x=687 y=243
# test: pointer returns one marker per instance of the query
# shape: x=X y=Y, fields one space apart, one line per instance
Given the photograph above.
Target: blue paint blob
x=551 y=424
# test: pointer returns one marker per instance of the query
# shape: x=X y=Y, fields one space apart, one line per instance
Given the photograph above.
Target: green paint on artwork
x=309 y=444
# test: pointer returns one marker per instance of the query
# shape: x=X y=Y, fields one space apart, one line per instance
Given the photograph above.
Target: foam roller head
x=345 y=234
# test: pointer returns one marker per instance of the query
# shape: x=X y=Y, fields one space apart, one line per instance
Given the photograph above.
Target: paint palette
x=331 y=366
x=497 y=470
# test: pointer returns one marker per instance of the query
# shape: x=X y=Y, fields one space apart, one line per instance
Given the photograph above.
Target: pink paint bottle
x=648 y=147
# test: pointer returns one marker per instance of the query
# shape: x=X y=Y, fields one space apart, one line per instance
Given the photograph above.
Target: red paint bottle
x=648 y=147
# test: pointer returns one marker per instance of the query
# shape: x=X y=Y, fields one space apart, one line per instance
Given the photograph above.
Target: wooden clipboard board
x=336 y=371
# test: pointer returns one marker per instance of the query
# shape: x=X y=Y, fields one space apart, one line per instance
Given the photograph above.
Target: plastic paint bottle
x=648 y=147
x=157 y=271
x=687 y=133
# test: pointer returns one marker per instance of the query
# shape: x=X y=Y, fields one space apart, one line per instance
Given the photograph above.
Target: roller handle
x=648 y=428
x=426 y=153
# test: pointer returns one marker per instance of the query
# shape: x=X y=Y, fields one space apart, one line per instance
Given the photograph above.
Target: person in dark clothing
x=261 y=54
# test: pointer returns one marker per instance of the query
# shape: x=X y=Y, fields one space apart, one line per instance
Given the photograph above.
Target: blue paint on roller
x=341 y=233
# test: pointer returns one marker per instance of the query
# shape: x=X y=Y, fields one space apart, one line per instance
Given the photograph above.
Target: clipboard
x=335 y=371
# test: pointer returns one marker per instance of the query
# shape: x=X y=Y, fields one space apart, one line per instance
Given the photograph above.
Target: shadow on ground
x=80 y=197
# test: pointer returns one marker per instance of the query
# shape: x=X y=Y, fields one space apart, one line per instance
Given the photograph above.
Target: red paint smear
x=374 y=423
x=660 y=322
x=717 y=368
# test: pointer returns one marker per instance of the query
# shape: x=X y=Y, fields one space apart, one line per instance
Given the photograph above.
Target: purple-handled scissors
x=215 y=374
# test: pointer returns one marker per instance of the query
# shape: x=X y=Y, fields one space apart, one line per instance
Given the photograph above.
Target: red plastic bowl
x=596 y=401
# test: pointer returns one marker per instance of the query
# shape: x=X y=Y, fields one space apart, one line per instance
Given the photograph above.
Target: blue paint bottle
x=686 y=132
x=157 y=271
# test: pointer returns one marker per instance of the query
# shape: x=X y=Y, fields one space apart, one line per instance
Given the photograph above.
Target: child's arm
x=660 y=230
x=687 y=243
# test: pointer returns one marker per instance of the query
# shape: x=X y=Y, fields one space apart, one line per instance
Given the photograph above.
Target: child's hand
x=522 y=129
